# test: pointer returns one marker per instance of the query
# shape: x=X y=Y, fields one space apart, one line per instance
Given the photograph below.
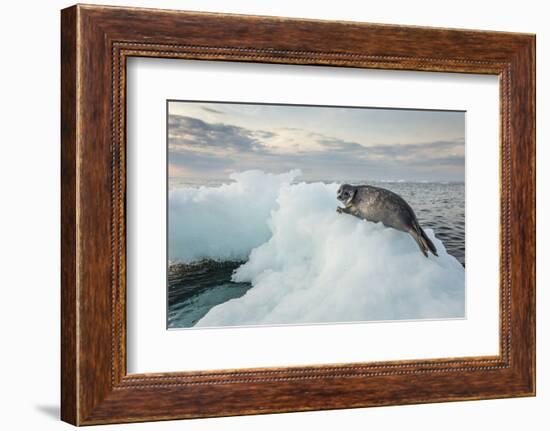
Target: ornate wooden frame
x=95 y=42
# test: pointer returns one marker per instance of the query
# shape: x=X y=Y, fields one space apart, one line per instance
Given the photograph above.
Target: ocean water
x=198 y=285
x=193 y=289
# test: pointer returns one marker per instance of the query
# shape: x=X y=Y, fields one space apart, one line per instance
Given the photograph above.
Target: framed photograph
x=263 y=214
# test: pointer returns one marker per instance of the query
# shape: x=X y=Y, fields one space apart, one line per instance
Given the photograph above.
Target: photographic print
x=296 y=214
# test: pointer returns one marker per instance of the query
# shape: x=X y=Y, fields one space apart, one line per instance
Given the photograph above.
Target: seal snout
x=339 y=194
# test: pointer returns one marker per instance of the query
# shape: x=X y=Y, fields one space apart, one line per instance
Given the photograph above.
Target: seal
x=380 y=205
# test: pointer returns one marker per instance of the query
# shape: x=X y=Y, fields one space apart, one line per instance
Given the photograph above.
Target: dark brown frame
x=95 y=42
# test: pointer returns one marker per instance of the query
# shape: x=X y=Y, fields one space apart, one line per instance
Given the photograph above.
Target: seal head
x=346 y=193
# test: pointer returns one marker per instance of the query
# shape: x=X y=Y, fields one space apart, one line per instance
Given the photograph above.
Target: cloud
x=185 y=132
x=189 y=132
x=217 y=147
x=338 y=150
x=427 y=150
x=336 y=144
x=212 y=110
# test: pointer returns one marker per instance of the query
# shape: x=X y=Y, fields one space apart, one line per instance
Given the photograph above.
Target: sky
x=209 y=141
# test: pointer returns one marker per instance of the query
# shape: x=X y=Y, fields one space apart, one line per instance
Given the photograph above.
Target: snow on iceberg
x=223 y=223
x=308 y=264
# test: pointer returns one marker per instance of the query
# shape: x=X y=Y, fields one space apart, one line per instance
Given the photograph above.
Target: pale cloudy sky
x=208 y=141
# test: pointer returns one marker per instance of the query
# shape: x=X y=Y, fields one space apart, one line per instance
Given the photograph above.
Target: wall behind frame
x=29 y=219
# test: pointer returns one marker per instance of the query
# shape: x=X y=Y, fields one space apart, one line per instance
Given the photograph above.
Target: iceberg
x=223 y=223
x=306 y=263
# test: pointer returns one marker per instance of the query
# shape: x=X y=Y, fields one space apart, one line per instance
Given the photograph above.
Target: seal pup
x=380 y=205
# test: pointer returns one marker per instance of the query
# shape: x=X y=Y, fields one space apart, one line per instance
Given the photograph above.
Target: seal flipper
x=428 y=242
x=422 y=240
x=419 y=240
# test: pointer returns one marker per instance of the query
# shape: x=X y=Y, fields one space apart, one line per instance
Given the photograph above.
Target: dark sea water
x=193 y=289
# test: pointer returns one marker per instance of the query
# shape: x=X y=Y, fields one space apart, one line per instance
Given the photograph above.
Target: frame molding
x=96 y=41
